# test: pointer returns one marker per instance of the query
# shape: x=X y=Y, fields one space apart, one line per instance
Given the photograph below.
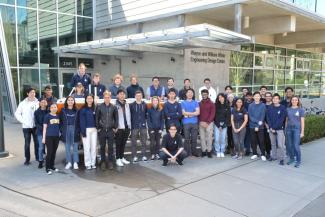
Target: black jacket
x=223 y=114
x=106 y=117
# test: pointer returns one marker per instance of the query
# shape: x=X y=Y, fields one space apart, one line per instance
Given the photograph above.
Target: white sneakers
x=144 y=158
x=124 y=161
x=218 y=154
x=88 y=167
x=68 y=166
x=263 y=158
x=222 y=154
x=135 y=160
x=254 y=157
x=75 y=166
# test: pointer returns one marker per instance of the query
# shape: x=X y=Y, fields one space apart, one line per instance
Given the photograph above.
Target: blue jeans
x=220 y=139
x=247 y=141
x=70 y=142
x=28 y=134
x=40 y=148
x=293 y=142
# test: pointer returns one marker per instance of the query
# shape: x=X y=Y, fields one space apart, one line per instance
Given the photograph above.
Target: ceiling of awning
x=165 y=41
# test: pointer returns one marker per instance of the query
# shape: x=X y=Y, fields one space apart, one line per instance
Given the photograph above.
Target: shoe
x=88 y=167
x=93 y=167
x=281 y=162
x=290 y=161
x=40 y=165
x=124 y=161
x=75 y=166
x=240 y=157
x=204 y=154
x=195 y=155
x=49 y=172
x=235 y=156
x=26 y=163
x=102 y=166
x=110 y=166
x=209 y=154
x=263 y=158
x=179 y=162
x=297 y=165
x=153 y=157
x=254 y=157
x=55 y=169
x=165 y=163
x=222 y=154
x=247 y=153
x=144 y=158
x=157 y=156
x=270 y=159
x=218 y=154
x=135 y=160
x=68 y=166
x=119 y=163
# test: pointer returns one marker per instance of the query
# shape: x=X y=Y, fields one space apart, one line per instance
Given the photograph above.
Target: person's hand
x=256 y=129
x=43 y=140
x=152 y=131
x=302 y=135
x=114 y=130
x=236 y=130
x=173 y=159
x=160 y=131
x=273 y=131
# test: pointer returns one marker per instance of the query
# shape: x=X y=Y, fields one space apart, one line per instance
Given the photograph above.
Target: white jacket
x=212 y=93
x=25 y=112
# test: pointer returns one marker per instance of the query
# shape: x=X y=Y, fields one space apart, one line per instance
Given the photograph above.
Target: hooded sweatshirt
x=25 y=112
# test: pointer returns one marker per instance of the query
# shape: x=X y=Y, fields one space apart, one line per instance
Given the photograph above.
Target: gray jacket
x=121 y=117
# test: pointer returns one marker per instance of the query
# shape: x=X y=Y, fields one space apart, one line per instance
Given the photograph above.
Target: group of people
x=260 y=119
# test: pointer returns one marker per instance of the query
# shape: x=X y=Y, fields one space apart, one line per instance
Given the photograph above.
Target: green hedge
x=314 y=128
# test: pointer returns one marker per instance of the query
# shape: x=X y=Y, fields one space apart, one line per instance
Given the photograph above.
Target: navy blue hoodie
x=155 y=119
x=276 y=116
x=86 y=120
x=173 y=113
x=39 y=115
x=256 y=113
x=138 y=115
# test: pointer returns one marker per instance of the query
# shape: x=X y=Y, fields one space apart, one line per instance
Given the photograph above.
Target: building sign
x=89 y=63
x=66 y=62
x=201 y=63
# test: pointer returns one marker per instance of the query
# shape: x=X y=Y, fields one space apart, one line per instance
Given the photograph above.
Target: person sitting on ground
x=172 y=147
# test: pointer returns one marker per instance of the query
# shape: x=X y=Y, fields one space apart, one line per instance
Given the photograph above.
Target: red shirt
x=207 y=111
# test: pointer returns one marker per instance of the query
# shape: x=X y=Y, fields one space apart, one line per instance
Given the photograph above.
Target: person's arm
x=212 y=113
x=149 y=121
x=269 y=123
x=44 y=133
x=162 y=122
x=232 y=122
x=180 y=145
x=18 y=114
x=82 y=123
x=164 y=145
x=244 y=123
x=97 y=117
x=115 y=114
x=251 y=113
x=302 y=133
x=167 y=152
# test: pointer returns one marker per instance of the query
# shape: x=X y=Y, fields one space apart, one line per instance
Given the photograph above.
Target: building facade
x=244 y=43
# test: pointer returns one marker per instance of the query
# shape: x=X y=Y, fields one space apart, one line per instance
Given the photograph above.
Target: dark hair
x=119 y=91
x=204 y=91
x=189 y=90
x=187 y=79
x=170 y=78
x=172 y=90
x=249 y=93
x=66 y=102
x=276 y=95
x=155 y=77
x=242 y=106
x=263 y=86
x=288 y=88
x=206 y=79
x=93 y=104
x=30 y=89
x=256 y=92
x=222 y=95
x=172 y=125
x=138 y=92
x=268 y=93
x=228 y=86
x=245 y=88
x=48 y=87
x=41 y=99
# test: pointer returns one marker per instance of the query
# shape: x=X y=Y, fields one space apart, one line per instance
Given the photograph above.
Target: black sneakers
x=204 y=154
x=40 y=164
x=26 y=163
x=209 y=154
x=165 y=162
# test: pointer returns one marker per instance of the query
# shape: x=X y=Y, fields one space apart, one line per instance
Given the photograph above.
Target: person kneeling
x=172 y=147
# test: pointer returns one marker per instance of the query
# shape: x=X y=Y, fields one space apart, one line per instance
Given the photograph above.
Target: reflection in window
x=85 y=8
x=67 y=29
x=27 y=37
x=27 y=3
x=85 y=29
x=47 y=5
x=67 y=6
x=50 y=77
x=263 y=77
x=28 y=78
x=241 y=59
x=240 y=77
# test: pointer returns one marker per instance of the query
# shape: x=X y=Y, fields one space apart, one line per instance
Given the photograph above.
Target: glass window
x=259 y=60
x=315 y=65
x=280 y=62
x=27 y=3
x=247 y=47
x=320 y=8
x=67 y=29
x=50 y=77
x=10 y=2
x=27 y=37
x=9 y=22
x=301 y=77
x=269 y=61
x=263 y=77
x=28 y=78
x=67 y=6
x=307 y=4
x=241 y=59
x=291 y=52
x=85 y=8
x=290 y=63
x=279 y=77
x=289 y=77
x=85 y=29
x=48 y=39
x=49 y=5
x=265 y=49
x=241 y=77
x=280 y=51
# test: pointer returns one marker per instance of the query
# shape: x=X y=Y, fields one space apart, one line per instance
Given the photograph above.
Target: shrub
x=314 y=128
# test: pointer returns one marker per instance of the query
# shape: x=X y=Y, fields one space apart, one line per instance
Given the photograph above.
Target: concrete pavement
x=202 y=187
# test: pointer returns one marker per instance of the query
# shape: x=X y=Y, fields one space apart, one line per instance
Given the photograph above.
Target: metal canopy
x=165 y=41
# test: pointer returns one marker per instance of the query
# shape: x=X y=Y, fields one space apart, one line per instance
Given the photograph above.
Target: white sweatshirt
x=25 y=112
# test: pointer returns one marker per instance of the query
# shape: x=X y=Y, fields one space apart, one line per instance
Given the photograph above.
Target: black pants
x=106 y=137
x=155 y=136
x=267 y=142
x=52 y=143
x=180 y=157
x=257 y=138
x=28 y=134
x=190 y=133
x=231 y=145
x=121 y=137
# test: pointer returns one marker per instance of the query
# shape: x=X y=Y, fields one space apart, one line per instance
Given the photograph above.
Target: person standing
x=155 y=123
x=79 y=91
x=48 y=95
x=81 y=77
x=107 y=124
x=97 y=89
x=263 y=90
x=156 y=90
x=182 y=92
x=89 y=132
x=221 y=121
x=138 y=110
x=39 y=116
x=295 y=129
x=25 y=115
x=247 y=143
x=170 y=85
x=268 y=104
x=51 y=137
x=172 y=147
x=124 y=125
x=239 y=119
x=70 y=133
x=191 y=111
x=207 y=113
x=212 y=91
x=276 y=115
x=116 y=86
x=172 y=110
x=289 y=93
x=134 y=86
x=256 y=113
x=230 y=141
